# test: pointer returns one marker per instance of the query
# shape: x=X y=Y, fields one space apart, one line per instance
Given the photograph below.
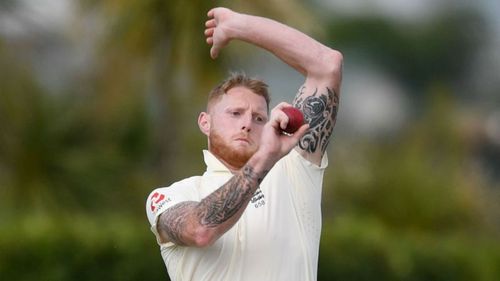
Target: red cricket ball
x=295 y=119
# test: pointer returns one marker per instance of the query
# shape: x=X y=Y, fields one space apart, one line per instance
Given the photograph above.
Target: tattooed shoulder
x=320 y=111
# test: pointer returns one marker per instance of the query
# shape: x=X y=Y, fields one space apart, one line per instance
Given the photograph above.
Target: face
x=234 y=125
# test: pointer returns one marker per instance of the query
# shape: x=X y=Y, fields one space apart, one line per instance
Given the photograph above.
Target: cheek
x=257 y=132
x=221 y=131
x=221 y=123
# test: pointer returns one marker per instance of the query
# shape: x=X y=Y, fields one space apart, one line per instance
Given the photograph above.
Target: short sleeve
x=158 y=201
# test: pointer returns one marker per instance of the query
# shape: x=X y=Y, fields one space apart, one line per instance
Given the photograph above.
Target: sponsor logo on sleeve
x=158 y=200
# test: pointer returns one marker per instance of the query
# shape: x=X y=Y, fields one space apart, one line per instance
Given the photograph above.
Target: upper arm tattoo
x=320 y=111
x=213 y=210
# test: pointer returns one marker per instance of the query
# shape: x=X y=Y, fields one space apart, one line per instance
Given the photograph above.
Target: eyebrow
x=260 y=112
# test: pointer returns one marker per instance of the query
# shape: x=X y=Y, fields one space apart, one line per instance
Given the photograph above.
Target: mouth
x=242 y=139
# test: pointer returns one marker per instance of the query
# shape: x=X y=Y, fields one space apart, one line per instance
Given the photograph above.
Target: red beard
x=235 y=158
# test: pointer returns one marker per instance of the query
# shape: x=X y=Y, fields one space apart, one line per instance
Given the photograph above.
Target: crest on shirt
x=158 y=200
x=258 y=199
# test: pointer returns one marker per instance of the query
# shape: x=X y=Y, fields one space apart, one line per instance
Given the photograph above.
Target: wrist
x=235 y=25
x=262 y=162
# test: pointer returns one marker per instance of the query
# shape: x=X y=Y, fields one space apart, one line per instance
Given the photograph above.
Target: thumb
x=300 y=132
x=214 y=52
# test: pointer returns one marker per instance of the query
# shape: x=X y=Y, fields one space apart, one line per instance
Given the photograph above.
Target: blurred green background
x=98 y=106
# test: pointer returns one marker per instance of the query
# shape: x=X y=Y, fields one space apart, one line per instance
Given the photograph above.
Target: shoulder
x=184 y=186
x=295 y=165
x=299 y=160
x=162 y=198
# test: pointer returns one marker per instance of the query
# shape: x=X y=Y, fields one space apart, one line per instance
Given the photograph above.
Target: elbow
x=328 y=66
x=333 y=63
x=332 y=69
x=204 y=237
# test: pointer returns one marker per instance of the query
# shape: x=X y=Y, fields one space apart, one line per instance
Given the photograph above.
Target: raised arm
x=318 y=98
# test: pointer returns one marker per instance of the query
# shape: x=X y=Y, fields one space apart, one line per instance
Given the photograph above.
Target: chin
x=234 y=154
x=235 y=157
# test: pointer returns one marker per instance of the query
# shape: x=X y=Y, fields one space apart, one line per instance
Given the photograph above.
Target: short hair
x=239 y=79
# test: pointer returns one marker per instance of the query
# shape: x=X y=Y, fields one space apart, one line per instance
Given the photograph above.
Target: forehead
x=242 y=97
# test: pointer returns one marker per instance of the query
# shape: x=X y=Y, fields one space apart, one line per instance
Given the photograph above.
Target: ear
x=204 y=123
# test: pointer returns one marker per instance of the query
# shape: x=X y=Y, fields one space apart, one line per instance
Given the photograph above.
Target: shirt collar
x=213 y=164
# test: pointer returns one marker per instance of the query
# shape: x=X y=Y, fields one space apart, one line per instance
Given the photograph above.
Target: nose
x=246 y=124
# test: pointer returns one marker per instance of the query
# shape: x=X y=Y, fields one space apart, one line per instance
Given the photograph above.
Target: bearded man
x=255 y=214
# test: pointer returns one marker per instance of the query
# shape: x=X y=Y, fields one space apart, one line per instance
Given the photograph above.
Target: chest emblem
x=258 y=199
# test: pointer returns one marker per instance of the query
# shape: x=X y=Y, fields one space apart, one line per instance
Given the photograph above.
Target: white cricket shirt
x=277 y=237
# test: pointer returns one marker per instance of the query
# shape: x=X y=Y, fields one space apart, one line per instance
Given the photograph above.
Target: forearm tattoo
x=320 y=111
x=226 y=201
x=174 y=220
x=213 y=210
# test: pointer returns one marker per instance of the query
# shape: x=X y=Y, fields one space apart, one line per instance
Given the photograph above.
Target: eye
x=235 y=113
x=260 y=119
